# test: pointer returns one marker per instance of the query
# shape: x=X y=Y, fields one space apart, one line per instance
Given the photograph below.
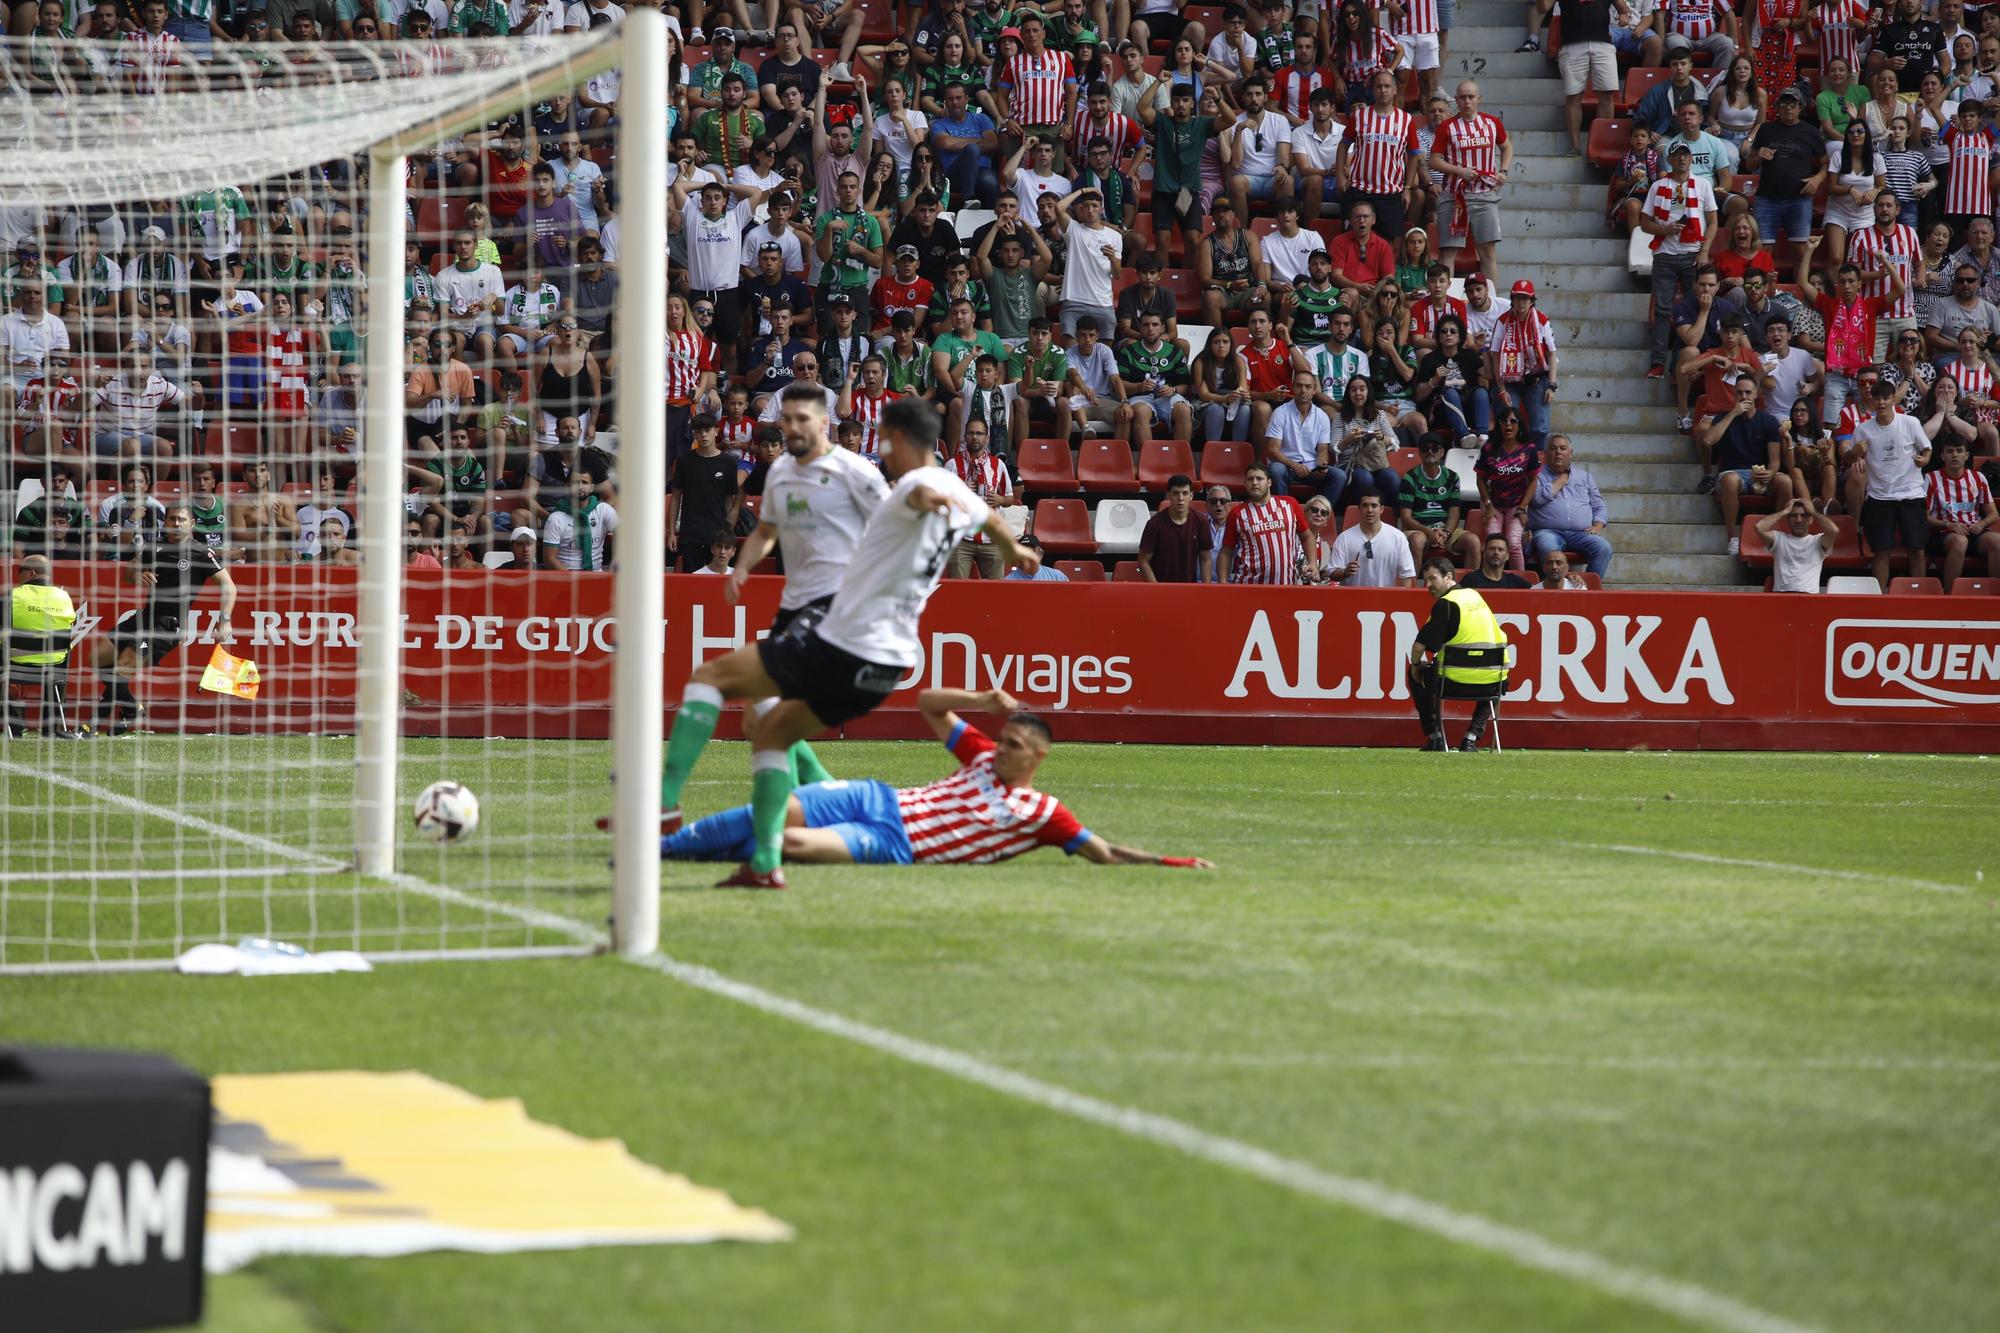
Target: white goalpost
x=251 y=367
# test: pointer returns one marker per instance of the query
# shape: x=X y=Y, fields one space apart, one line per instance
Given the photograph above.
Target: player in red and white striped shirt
x=1261 y=537
x=1884 y=249
x=984 y=812
x=1959 y=504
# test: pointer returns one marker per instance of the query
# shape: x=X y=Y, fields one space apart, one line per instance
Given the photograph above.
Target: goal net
x=312 y=491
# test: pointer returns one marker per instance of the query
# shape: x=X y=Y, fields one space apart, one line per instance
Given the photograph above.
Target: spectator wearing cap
x=1711 y=159
x=965 y=139
x=1789 y=157
x=843 y=346
x=1482 y=312
x=903 y=288
x=1568 y=512
x=154 y=268
x=1679 y=214
x=521 y=545
x=705 y=82
x=781 y=228
x=1521 y=361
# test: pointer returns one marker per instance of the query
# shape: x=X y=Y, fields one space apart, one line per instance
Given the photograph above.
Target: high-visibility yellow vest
x=1476 y=629
x=41 y=609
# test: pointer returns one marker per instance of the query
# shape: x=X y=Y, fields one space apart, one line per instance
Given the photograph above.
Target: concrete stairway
x=1665 y=535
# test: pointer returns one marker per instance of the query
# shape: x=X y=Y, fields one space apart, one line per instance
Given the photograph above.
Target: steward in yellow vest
x=40 y=621
x=1459 y=618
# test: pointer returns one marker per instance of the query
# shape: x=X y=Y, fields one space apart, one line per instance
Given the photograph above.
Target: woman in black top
x=568 y=385
x=1450 y=385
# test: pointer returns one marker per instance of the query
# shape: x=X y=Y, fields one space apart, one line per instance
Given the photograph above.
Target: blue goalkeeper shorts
x=865 y=814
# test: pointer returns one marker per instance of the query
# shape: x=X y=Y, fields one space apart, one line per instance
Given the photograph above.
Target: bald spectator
x=1567 y=512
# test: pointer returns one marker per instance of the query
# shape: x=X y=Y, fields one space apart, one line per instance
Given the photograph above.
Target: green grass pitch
x=1520 y=987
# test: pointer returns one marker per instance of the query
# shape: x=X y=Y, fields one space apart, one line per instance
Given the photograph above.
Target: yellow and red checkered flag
x=227 y=673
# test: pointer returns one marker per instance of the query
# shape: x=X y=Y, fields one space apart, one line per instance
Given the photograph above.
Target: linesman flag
x=228 y=674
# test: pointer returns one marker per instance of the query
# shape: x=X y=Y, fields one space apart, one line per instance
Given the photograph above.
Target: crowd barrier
x=519 y=654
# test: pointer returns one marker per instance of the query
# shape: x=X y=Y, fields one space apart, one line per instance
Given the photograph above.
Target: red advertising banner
x=530 y=655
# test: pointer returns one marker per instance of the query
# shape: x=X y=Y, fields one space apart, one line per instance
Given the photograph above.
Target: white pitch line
x=1748 y=863
x=296 y=868
x=1527 y=1249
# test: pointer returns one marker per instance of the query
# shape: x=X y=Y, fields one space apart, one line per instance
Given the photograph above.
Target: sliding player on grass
x=867 y=641
x=986 y=811
x=817 y=502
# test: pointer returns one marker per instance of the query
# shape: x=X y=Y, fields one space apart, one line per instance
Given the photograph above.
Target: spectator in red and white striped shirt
x=1382 y=137
x=1888 y=247
x=986 y=811
x=1959 y=504
x=1414 y=25
x=151 y=51
x=1473 y=151
x=987 y=477
x=1038 y=89
x=1261 y=537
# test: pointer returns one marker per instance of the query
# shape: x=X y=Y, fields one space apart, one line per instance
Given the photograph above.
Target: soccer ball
x=446 y=812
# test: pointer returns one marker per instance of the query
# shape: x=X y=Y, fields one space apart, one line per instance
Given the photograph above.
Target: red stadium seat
x=1224 y=463
x=878 y=19
x=1161 y=460
x=1083 y=571
x=1104 y=467
x=1914 y=587
x=1639 y=80
x=1609 y=140
x=1127 y=571
x=1045 y=465
x=1402 y=460
x=1965 y=587
x=1063 y=527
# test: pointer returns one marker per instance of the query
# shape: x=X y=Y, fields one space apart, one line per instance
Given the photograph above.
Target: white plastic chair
x=1462 y=461
x=967 y=221
x=1863 y=585
x=1117 y=524
x=495 y=559
x=1639 y=255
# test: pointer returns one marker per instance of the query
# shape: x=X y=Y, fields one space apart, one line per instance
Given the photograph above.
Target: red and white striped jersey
x=987 y=478
x=1960 y=499
x=1971 y=156
x=148 y=58
x=1418 y=17
x=1976 y=380
x=1294 y=88
x=39 y=401
x=1124 y=134
x=1035 y=86
x=688 y=355
x=736 y=432
x=285 y=362
x=1472 y=142
x=1896 y=251
x=1426 y=313
x=868 y=411
x=1851 y=417
x=1358 y=63
x=1692 y=19
x=1840 y=23
x=1263 y=540
x=1382 y=144
x=973 y=818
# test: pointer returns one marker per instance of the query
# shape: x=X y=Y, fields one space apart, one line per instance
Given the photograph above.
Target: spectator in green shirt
x=1178 y=138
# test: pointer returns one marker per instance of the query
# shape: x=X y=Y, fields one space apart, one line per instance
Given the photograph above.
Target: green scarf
x=582 y=517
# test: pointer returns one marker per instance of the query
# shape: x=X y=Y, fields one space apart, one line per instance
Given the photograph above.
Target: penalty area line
x=1784 y=867
x=1525 y=1249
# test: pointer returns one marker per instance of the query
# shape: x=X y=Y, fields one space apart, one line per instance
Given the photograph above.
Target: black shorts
x=1888 y=524
x=1166 y=26
x=800 y=620
x=834 y=683
x=156 y=639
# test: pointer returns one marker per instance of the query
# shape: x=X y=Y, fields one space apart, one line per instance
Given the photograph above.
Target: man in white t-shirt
x=713 y=228
x=1799 y=537
x=1791 y=373
x=868 y=640
x=1258 y=150
x=1040 y=177
x=1370 y=554
x=1095 y=252
x=1894 y=516
x=471 y=294
x=580 y=537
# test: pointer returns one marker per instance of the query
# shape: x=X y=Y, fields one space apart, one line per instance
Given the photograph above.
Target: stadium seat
x=495 y=559
x=1196 y=338
x=1463 y=461
x=1915 y=587
x=1127 y=571
x=968 y=221
x=1965 y=587
x=1082 y=571
x=1863 y=585
x=1063 y=527
x=1224 y=463
x=1402 y=460
x=1639 y=80
x=1161 y=460
x=1014 y=516
x=878 y=19
x=1045 y=465
x=1104 y=467
x=1609 y=140
x=1117 y=525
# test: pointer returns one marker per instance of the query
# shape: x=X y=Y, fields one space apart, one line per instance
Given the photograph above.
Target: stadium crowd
x=1137 y=253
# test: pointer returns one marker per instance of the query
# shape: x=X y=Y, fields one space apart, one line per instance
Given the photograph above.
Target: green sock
x=694 y=723
x=770 y=792
x=806 y=766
